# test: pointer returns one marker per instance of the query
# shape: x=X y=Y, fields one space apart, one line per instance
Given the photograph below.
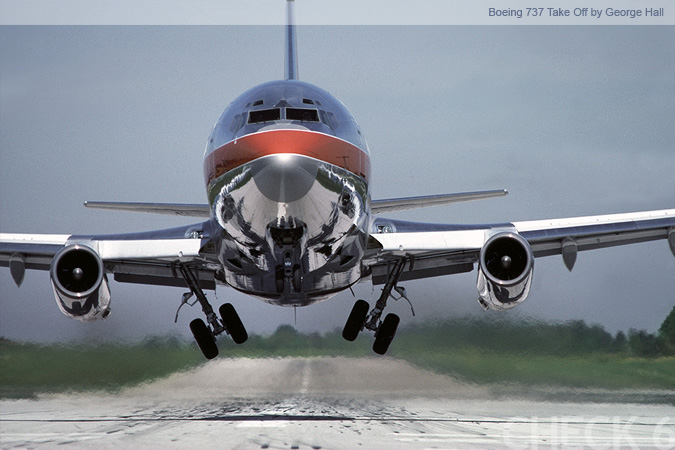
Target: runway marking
x=263 y=424
x=306 y=372
x=47 y=437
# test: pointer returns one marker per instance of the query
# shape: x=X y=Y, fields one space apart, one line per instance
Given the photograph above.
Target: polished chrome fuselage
x=287 y=173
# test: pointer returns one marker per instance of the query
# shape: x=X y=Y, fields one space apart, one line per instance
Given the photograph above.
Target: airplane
x=290 y=220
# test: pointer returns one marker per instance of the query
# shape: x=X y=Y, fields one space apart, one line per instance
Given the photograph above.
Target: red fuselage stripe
x=308 y=143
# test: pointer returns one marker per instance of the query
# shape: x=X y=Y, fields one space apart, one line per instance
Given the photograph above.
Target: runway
x=335 y=403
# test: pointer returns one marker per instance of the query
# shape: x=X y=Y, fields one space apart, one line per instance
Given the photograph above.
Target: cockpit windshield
x=303 y=115
x=264 y=115
x=274 y=114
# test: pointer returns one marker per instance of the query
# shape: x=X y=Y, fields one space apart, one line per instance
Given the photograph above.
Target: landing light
x=285 y=157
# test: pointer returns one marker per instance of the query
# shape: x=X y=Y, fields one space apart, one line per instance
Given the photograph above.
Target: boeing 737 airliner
x=290 y=220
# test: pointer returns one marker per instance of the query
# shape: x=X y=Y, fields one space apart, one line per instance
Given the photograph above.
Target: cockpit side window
x=237 y=123
x=329 y=119
x=264 y=115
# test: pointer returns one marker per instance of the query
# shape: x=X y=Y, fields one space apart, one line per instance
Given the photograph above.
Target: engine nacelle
x=79 y=283
x=504 y=271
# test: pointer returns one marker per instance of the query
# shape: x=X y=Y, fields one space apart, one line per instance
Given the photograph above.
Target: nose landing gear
x=287 y=236
x=204 y=334
x=360 y=319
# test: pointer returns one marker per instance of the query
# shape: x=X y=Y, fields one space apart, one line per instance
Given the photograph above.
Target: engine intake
x=79 y=283
x=505 y=271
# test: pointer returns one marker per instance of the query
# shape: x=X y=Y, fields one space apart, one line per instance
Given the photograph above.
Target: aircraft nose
x=285 y=177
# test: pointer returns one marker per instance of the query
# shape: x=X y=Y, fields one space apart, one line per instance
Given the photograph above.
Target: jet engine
x=504 y=271
x=79 y=283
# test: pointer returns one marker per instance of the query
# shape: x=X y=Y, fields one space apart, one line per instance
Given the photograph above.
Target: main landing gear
x=385 y=330
x=204 y=334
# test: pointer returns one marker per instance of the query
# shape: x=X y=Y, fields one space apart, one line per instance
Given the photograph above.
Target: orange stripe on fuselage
x=308 y=143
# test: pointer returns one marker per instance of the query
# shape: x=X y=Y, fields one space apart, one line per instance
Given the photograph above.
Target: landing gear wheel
x=232 y=323
x=356 y=320
x=204 y=338
x=385 y=334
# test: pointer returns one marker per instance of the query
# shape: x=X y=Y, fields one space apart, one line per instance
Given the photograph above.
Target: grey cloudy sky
x=572 y=120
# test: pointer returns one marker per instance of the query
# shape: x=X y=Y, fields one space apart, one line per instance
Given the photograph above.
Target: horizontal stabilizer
x=171 y=209
x=406 y=203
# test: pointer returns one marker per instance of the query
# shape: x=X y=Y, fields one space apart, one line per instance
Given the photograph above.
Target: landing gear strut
x=205 y=335
x=384 y=330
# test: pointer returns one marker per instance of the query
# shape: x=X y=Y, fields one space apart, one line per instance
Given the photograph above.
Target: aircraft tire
x=204 y=338
x=386 y=334
x=355 y=320
x=233 y=323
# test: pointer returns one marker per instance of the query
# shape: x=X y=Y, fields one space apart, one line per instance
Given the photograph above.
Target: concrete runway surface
x=335 y=403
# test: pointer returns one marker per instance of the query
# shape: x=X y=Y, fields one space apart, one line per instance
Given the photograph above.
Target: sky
x=572 y=120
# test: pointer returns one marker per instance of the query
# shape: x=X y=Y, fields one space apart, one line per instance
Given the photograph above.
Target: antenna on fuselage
x=291 y=43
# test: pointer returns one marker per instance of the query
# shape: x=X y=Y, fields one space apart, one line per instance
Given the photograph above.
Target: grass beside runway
x=27 y=369
x=570 y=354
x=605 y=371
x=527 y=354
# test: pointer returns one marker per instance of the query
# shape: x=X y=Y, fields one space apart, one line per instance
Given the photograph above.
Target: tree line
x=466 y=333
x=502 y=335
x=537 y=337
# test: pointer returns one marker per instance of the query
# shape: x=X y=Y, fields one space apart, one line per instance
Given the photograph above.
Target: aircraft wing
x=430 y=249
x=147 y=258
x=433 y=250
